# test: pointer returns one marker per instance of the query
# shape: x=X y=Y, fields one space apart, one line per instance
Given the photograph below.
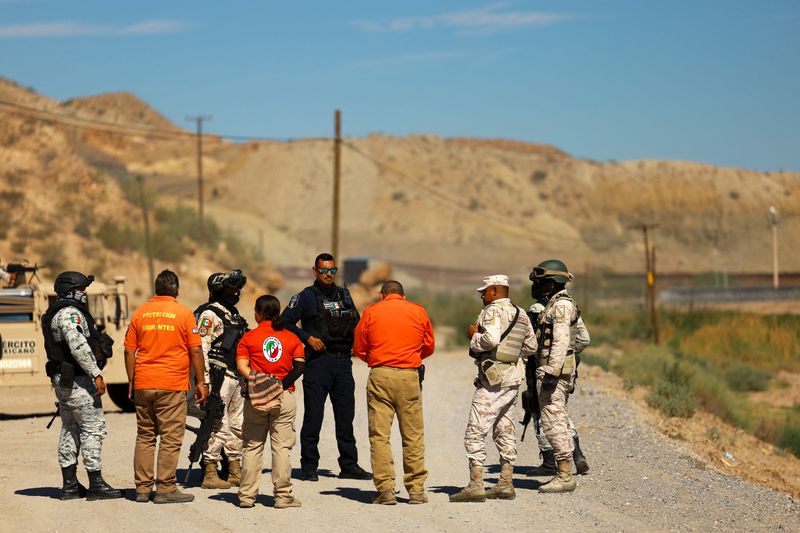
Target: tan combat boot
x=504 y=489
x=211 y=479
x=474 y=491
x=234 y=472
x=563 y=482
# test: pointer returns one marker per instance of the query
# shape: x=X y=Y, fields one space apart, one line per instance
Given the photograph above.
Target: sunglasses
x=539 y=272
x=324 y=271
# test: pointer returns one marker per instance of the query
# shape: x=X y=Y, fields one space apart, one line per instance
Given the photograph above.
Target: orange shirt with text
x=394 y=332
x=162 y=331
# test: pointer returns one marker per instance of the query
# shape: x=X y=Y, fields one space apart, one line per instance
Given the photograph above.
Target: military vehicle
x=23 y=301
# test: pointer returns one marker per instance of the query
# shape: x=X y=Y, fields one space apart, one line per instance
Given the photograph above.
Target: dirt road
x=639 y=479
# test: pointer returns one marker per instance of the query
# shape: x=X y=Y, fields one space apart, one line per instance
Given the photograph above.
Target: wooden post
x=148 y=248
x=774 y=216
x=651 y=285
x=337 y=169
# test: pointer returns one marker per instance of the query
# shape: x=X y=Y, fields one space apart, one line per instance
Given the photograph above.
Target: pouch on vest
x=492 y=371
x=569 y=364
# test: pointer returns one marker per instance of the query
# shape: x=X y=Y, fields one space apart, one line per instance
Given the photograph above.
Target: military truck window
x=16 y=305
x=96 y=308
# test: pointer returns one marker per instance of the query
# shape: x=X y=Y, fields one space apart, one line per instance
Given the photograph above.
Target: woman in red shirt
x=269 y=349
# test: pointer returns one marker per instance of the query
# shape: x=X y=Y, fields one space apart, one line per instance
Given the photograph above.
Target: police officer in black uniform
x=329 y=318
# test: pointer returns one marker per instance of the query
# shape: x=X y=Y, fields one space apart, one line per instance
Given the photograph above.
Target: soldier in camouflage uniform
x=75 y=372
x=500 y=337
x=548 y=466
x=216 y=319
x=556 y=364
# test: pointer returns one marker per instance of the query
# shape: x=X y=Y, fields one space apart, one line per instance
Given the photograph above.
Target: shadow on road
x=44 y=492
x=233 y=499
x=351 y=493
x=445 y=489
x=297 y=473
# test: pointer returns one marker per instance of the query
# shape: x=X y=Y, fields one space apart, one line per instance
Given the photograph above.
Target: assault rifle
x=214 y=410
x=530 y=401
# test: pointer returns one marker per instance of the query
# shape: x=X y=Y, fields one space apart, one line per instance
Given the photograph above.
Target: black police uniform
x=328 y=313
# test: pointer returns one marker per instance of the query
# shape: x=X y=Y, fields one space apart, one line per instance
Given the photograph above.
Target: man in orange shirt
x=161 y=342
x=393 y=337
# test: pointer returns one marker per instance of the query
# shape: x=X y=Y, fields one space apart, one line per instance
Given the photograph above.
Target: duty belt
x=335 y=355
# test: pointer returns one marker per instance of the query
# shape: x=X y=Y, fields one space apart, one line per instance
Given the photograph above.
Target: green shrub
x=672 y=399
x=790 y=435
x=51 y=254
x=591 y=358
x=119 y=237
x=744 y=378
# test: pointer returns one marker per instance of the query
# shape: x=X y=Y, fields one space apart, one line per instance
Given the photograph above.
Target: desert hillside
x=422 y=199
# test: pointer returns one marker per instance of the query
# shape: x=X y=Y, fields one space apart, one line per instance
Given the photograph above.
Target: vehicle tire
x=118 y=392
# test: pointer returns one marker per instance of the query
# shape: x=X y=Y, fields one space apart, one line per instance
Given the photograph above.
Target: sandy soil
x=640 y=479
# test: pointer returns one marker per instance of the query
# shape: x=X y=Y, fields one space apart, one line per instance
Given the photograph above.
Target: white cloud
x=492 y=18
x=78 y=29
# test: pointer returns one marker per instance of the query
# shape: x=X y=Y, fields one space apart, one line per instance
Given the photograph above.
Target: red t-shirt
x=270 y=351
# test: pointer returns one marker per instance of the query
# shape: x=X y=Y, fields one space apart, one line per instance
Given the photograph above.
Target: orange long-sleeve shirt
x=394 y=332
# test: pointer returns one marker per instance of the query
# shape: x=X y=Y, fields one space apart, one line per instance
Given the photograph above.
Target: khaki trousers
x=555 y=418
x=159 y=413
x=279 y=424
x=389 y=391
x=492 y=409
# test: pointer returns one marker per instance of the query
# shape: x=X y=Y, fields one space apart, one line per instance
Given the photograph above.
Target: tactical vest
x=544 y=335
x=223 y=348
x=58 y=351
x=510 y=347
x=335 y=321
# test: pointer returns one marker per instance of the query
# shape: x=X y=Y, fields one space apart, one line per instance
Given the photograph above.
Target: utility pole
x=650 y=279
x=773 y=213
x=198 y=120
x=148 y=248
x=337 y=176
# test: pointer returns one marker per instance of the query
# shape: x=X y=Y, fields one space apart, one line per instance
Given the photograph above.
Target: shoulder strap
x=510 y=326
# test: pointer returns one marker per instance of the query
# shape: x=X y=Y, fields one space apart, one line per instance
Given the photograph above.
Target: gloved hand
x=549 y=382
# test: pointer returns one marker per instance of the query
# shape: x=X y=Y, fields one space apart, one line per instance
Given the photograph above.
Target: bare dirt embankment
x=640 y=480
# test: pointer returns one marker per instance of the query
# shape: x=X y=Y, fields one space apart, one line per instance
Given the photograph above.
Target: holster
x=67 y=375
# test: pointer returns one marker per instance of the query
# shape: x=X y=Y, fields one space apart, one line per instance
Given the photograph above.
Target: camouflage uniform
x=582 y=340
x=557 y=358
x=83 y=425
x=493 y=405
x=229 y=435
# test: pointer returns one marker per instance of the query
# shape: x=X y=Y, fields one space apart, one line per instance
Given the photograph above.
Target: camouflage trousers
x=492 y=409
x=229 y=434
x=83 y=424
x=555 y=418
x=544 y=444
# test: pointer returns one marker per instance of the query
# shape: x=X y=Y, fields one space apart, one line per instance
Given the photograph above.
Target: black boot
x=548 y=466
x=99 y=489
x=581 y=466
x=72 y=489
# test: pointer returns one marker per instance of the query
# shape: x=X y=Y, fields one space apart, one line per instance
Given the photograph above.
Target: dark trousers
x=325 y=376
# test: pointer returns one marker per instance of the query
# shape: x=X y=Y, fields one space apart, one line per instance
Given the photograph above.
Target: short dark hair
x=269 y=307
x=325 y=256
x=167 y=284
x=392 y=287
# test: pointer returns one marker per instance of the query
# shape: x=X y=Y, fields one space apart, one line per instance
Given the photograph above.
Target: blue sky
x=702 y=80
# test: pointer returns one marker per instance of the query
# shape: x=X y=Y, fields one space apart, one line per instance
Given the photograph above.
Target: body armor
x=58 y=352
x=335 y=321
x=223 y=348
x=544 y=334
x=508 y=351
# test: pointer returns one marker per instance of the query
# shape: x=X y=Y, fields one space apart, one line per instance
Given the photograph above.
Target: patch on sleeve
x=205 y=322
x=75 y=318
x=490 y=315
x=195 y=330
x=293 y=302
x=202 y=331
x=560 y=313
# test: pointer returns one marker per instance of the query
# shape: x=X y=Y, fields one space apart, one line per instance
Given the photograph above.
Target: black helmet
x=233 y=279
x=66 y=281
x=552 y=269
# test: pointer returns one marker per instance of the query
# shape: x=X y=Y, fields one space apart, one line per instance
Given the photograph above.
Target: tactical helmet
x=66 y=281
x=220 y=280
x=552 y=269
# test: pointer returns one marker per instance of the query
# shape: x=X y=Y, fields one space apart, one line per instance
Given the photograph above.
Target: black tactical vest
x=335 y=320
x=59 y=352
x=223 y=348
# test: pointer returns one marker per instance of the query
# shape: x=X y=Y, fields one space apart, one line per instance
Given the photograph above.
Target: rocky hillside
x=459 y=203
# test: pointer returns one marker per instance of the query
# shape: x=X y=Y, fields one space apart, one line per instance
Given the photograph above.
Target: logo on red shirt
x=272 y=348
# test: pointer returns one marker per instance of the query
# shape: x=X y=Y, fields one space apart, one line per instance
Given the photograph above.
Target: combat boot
x=504 y=489
x=71 y=488
x=581 y=465
x=211 y=478
x=563 y=482
x=99 y=489
x=548 y=466
x=234 y=472
x=473 y=492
